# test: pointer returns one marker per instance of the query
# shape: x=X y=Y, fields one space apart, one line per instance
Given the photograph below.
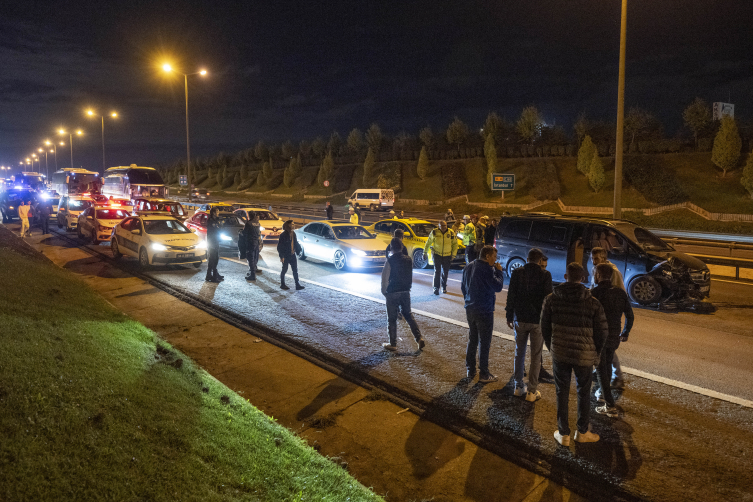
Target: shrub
x=200 y=178
x=653 y=180
x=245 y=185
x=275 y=180
x=596 y=175
x=422 y=169
x=543 y=182
x=454 y=182
x=586 y=155
x=228 y=181
x=747 y=178
x=390 y=178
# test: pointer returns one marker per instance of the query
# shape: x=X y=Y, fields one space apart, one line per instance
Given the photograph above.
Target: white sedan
x=157 y=239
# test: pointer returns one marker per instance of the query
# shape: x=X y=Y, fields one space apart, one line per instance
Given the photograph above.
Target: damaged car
x=655 y=273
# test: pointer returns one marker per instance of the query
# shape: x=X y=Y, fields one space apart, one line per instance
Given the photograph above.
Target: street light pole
x=618 y=154
x=188 y=142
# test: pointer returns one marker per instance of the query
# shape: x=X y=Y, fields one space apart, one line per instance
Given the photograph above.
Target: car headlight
x=358 y=252
x=201 y=245
x=158 y=247
x=225 y=237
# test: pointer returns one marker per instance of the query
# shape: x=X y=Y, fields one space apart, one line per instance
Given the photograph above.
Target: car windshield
x=54 y=201
x=79 y=205
x=352 y=232
x=229 y=220
x=161 y=227
x=265 y=215
x=645 y=238
x=111 y=214
x=422 y=229
x=223 y=209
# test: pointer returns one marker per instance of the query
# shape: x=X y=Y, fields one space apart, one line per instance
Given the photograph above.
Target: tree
x=266 y=168
x=457 y=132
x=637 y=122
x=529 y=124
x=335 y=142
x=374 y=138
x=368 y=167
x=244 y=172
x=237 y=179
x=493 y=125
x=727 y=145
x=261 y=151
x=318 y=146
x=305 y=148
x=490 y=152
x=327 y=171
x=596 y=176
x=697 y=117
x=288 y=150
x=427 y=137
x=260 y=179
x=585 y=155
x=220 y=177
x=292 y=172
x=581 y=127
x=423 y=164
x=355 y=141
x=747 y=179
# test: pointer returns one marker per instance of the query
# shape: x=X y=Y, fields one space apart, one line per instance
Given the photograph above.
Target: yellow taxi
x=416 y=233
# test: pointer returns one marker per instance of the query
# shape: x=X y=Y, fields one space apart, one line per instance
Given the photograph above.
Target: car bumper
x=170 y=258
x=103 y=237
x=367 y=261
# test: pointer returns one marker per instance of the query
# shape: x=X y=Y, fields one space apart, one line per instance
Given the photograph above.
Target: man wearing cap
x=469 y=239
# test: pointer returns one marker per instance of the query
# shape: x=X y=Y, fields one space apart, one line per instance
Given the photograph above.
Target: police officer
x=252 y=234
x=213 y=246
x=444 y=246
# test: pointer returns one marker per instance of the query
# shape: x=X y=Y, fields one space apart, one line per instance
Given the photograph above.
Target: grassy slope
x=89 y=410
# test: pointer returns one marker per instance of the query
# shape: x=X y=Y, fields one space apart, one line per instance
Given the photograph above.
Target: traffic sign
x=183 y=180
x=503 y=181
x=326 y=183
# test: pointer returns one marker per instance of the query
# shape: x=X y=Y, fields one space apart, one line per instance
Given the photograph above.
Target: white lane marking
x=432 y=275
x=630 y=371
x=734 y=282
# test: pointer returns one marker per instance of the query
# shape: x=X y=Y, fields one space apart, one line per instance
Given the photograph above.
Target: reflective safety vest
x=442 y=244
x=469 y=235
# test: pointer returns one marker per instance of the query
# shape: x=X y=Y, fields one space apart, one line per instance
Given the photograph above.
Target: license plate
x=184 y=255
x=274 y=234
x=705 y=288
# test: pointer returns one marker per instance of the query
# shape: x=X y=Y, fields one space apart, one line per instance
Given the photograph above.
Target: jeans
x=252 y=255
x=562 y=373
x=524 y=331
x=400 y=302
x=291 y=261
x=45 y=222
x=441 y=270
x=616 y=368
x=470 y=253
x=213 y=258
x=604 y=370
x=480 y=327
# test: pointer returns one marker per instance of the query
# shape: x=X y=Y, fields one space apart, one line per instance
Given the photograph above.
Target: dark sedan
x=230 y=225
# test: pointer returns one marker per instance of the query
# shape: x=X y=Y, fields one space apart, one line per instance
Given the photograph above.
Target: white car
x=157 y=240
x=342 y=244
x=71 y=206
x=271 y=224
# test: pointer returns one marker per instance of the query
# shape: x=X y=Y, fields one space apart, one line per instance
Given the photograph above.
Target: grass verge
x=94 y=406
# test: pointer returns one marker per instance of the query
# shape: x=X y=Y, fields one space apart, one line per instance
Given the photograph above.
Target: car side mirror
x=136 y=231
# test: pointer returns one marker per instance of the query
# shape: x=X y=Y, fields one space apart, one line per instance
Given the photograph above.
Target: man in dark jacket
x=288 y=248
x=252 y=235
x=44 y=213
x=400 y=235
x=490 y=232
x=213 y=246
x=529 y=285
x=397 y=280
x=616 y=303
x=574 y=329
x=482 y=279
x=330 y=211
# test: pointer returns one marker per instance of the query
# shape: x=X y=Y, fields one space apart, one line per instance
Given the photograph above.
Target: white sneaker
x=607 y=410
x=521 y=391
x=532 y=397
x=586 y=437
x=563 y=440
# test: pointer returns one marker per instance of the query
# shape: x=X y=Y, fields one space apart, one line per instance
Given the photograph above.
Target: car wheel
x=302 y=256
x=340 y=260
x=59 y=225
x=372 y=208
x=419 y=261
x=514 y=264
x=143 y=258
x=95 y=241
x=114 y=248
x=645 y=290
x=197 y=264
x=79 y=234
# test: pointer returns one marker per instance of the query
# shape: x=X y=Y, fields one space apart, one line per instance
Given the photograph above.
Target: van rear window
x=517 y=229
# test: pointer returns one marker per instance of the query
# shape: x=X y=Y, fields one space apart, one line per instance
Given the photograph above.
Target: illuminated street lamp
x=168 y=68
x=114 y=115
x=70 y=134
x=617 y=210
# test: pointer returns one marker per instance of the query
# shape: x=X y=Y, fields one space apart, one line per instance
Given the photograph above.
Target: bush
x=542 y=182
x=228 y=182
x=653 y=180
x=275 y=180
x=454 y=182
x=245 y=185
x=200 y=178
x=390 y=178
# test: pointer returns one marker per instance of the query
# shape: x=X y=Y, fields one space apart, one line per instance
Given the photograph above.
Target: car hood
x=175 y=239
x=689 y=261
x=109 y=223
x=364 y=244
x=270 y=224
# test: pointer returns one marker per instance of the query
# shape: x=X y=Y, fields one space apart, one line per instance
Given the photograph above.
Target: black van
x=654 y=272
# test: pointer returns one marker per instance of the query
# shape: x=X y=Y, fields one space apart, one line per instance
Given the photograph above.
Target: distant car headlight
x=201 y=245
x=358 y=252
x=225 y=237
x=158 y=247
x=262 y=229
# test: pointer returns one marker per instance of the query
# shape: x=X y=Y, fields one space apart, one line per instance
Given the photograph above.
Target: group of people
x=26 y=212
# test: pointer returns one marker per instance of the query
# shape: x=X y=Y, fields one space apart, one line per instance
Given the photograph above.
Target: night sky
x=291 y=69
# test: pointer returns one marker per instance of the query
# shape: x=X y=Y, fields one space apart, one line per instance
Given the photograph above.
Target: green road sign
x=503 y=181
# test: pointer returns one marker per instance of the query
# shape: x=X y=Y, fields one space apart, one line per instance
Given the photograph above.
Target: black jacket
x=283 y=246
x=389 y=249
x=330 y=211
x=252 y=234
x=397 y=274
x=615 y=302
x=213 y=231
x=574 y=325
x=489 y=234
x=529 y=285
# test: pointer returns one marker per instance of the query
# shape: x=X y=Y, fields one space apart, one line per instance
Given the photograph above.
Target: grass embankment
x=94 y=406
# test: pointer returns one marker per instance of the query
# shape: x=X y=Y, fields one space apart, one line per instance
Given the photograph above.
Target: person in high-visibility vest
x=443 y=244
x=469 y=239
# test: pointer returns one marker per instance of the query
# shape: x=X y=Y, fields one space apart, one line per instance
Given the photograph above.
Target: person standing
x=458 y=227
x=330 y=211
x=469 y=239
x=574 y=328
x=358 y=213
x=213 y=246
x=482 y=279
x=24 y=211
x=252 y=234
x=397 y=280
x=399 y=234
x=353 y=216
x=287 y=249
x=449 y=217
x=616 y=304
x=444 y=246
x=599 y=256
x=529 y=285
x=44 y=216
x=490 y=232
